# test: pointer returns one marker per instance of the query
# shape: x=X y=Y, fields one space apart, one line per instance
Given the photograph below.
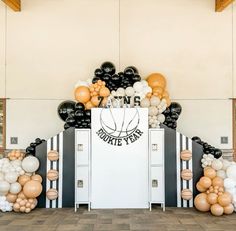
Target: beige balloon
x=186 y=174
x=52 y=194
x=186 y=155
x=52 y=175
x=186 y=194
x=53 y=155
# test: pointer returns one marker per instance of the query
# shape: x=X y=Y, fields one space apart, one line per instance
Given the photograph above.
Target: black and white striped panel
x=183 y=143
x=55 y=143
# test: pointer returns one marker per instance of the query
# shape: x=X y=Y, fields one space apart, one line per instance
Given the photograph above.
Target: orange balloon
x=229 y=209
x=32 y=189
x=95 y=101
x=200 y=202
x=210 y=172
x=37 y=177
x=158 y=90
x=11 y=198
x=82 y=94
x=200 y=188
x=218 y=181
x=156 y=80
x=217 y=210
x=23 y=179
x=224 y=199
x=205 y=182
x=104 y=91
x=89 y=105
x=21 y=195
x=166 y=94
x=212 y=198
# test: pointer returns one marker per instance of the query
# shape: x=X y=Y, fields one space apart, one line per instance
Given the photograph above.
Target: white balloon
x=225 y=163
x=216 y=164
x=154 y=101
x=129 y=91
x=221 y=173
x=120 y=91
x=1 y=176
x=4 y=187
x=30 y=164
x=144 y=83
x=229 y=183
x=145 y=102
x=231 y=172
x=138 y=87
x=161 y=118
x=15 y=188
x=152 y=111
x=11 y=177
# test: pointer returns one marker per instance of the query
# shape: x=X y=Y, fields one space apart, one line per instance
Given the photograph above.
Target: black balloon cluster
x=74 y=115
x=207 y=148
x=30 y=150
x=172 y=114
x=107 y=73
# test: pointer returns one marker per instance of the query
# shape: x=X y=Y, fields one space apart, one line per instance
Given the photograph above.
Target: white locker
x=82 y=167
x=156 y=168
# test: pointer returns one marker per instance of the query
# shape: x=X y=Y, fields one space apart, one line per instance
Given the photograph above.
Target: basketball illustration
x=119 y=125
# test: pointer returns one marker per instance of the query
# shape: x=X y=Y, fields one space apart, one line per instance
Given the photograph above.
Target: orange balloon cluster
x=15 y=155
x=26 y=200
x=213 y=196
x=158 y=84
x=89 y=96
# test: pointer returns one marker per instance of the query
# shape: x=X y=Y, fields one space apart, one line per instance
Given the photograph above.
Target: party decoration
x=201 y=203
x=23 y=179
x=32 y=189
x=5 y=206
x=156 y=80
x=52 y=194
x=30 y=164
x=53 y=155
x=217 y=210
x=52 y=175
x=186 y=194
x=65 y=108
x=186 y=155
x=15 y=155
x=30 y=150
x=186 y=174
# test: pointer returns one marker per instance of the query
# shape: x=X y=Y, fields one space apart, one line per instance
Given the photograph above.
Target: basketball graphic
x=119 y=125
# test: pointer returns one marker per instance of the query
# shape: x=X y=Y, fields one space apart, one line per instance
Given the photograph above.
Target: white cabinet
x=82 y=167
x=156 y=168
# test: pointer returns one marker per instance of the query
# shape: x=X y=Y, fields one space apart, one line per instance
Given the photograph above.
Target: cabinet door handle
x=80 y=183
x=155 y=183
x=154 y=147
x=80 y=147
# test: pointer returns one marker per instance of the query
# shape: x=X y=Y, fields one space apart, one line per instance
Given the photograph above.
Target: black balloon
x=136 y=78
x=174 y=116
x=108 y=67
x=196 y=139
x=70 y=121
x=79 y=114
x=65 y=108
x=99 y=72
x=33 y=145
x=175 y=107
x=106 y=77
x=30 y=150
x=115 y=78
x=135 y=70
x=168 y=119
x=87 y=113
x=217 y=153
x=129 y=73
x=66 y=126
x=95 y=79
x=79 y=106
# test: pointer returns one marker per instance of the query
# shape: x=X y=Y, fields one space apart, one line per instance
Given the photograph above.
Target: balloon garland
x=19 y=185
x=30 y=150
x=123 y=89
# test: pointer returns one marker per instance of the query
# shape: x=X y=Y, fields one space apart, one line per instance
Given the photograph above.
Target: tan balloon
x=229 y=209
x=217 y=210
x=218 y=181
x=11 y=198
x=224 y=199
x=53 y=155
x=27 y=210
x=52 y=175
x=23 y=179
x=37 y=177
x=22 y=209
x=156 y=80
x=212 y=198
x=210 y=172
x=89 y=105
x=200 y=188
x=201 y=203
x=186 y=174
x=186 y=194
x=82 y=94
x=52 y=194
x=186 y=155
x=95 y=100
x=205 y=182
x=32 y=189
x=104 y=91
x=21 y=195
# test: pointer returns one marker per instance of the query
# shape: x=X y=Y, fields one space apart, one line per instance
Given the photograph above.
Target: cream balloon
x=30 y=164
x=4 y=187
x=129 y=91
x=11 y=177
x=15 y=188
x=155 y=101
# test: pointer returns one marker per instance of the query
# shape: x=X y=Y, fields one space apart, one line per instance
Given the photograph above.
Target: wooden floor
x=66 y=219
